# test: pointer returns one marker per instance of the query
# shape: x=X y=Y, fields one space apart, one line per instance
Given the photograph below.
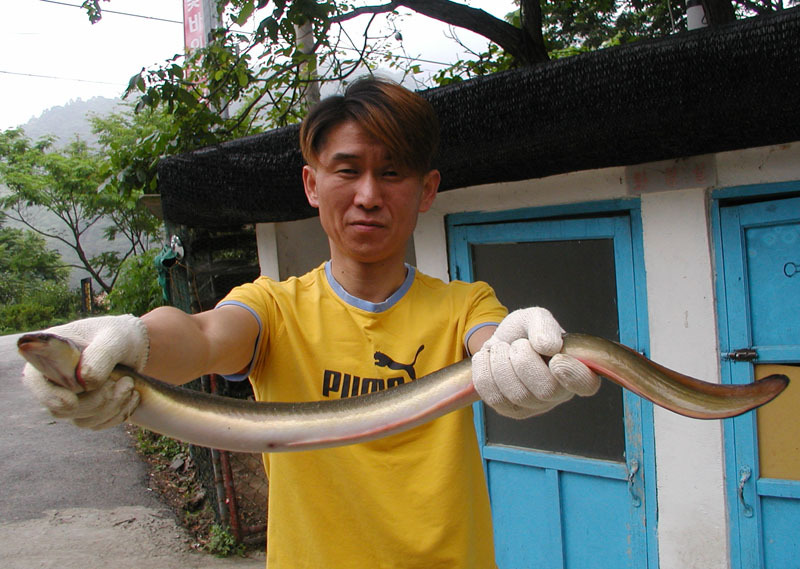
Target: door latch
x=633 y=468
x=742 y=355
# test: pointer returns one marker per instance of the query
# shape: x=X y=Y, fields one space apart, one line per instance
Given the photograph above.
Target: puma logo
x=382 y=360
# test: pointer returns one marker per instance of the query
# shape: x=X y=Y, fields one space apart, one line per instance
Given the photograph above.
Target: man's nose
x=368 y=192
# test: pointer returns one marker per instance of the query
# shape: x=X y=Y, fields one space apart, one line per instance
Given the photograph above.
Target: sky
x=50 y=54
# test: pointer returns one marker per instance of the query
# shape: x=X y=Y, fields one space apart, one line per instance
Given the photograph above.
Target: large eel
x=246 y=426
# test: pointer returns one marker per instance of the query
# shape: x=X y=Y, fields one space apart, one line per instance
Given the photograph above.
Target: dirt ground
x=127 y=537
x=177 y=485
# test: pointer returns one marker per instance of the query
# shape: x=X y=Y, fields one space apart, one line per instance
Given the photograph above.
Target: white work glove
x=511 y=376
x=106 y=341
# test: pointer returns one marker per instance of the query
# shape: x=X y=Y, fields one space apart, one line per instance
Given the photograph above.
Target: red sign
x=194 y=32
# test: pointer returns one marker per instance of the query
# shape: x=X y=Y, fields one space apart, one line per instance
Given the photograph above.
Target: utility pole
x=200 y=18
x=304 y=37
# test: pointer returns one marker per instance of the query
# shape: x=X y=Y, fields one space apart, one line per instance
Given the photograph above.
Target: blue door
x=760 y=333
x=573 y=488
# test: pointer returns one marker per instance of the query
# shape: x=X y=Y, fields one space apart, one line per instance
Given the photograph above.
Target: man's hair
x=401 y=120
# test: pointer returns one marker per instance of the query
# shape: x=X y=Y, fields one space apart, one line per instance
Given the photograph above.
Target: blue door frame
x=764 y=512
x=558 y=477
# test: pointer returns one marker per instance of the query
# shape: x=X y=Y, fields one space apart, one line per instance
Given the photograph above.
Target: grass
x=222 y=543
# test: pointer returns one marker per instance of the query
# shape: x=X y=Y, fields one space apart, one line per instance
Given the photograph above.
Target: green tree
x=77 y=186
x=33 y=289
x=26 y=263
x=137 y=290
x=130 y=142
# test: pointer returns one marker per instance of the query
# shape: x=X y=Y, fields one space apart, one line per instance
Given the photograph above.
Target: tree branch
x=355 y=13
x=719 y=11
x=523 y=49
x=531 y=21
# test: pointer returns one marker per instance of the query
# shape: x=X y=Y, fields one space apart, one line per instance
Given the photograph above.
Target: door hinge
x=742 y=355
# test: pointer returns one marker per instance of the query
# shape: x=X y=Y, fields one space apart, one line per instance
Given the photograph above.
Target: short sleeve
x=485 y=310
x=253 y=298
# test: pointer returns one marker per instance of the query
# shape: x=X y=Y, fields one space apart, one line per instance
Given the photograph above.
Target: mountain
x=71 y=120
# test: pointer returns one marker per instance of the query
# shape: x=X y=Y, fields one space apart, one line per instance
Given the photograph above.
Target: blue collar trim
x=365 y=304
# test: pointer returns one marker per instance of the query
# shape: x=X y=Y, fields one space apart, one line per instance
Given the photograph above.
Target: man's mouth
x=366 y=223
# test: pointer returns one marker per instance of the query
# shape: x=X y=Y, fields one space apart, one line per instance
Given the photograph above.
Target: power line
x=240 y=31
x=408 y=57
x=118 y=13
x=60 y=78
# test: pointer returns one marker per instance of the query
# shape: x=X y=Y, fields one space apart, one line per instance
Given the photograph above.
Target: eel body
x=246 y=426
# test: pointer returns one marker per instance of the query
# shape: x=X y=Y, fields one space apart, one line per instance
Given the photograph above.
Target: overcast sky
x=50 y=54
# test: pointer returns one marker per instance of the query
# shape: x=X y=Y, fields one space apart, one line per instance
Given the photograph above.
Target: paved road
x=71 y=498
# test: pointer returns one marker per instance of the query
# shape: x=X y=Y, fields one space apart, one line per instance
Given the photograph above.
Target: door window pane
x=773 y=274
x=576 y=280
x=778 y=427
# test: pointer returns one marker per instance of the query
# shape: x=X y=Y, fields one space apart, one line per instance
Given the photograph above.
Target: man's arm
x=478 y=337
x=168 y=344
x=186 y=346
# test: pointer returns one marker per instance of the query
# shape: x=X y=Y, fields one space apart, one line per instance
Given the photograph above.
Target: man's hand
x=106 y=341
x=511 y=375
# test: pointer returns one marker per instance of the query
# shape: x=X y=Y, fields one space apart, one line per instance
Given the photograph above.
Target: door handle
x=744 y=475
x=633 y=468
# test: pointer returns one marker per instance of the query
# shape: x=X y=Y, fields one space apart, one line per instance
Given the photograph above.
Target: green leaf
x=245 y=13
x=241 y=75
x=175 y=71
x=133 y=81
x=268 y=26
x=185 y=97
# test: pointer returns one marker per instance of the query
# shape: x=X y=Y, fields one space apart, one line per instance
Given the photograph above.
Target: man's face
x=367 y=205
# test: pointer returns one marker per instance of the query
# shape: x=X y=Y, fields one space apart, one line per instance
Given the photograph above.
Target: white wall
x=291 y=248
x=692 y=526
x=267 y=250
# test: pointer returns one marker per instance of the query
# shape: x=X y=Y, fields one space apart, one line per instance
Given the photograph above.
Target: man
x=363 y=321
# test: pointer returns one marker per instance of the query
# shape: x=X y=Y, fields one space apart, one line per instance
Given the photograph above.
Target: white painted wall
x=291 y=248
x=692 y=525
x=267 y=250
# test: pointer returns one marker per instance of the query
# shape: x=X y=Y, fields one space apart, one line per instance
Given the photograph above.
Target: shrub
x=45 y=305
x=136 y=290
x=222 y=544
x=24 y=317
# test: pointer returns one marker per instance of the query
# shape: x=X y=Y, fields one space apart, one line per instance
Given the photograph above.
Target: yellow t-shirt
x=417 y=499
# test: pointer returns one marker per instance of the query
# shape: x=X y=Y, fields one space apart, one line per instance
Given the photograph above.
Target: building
x=648 y=193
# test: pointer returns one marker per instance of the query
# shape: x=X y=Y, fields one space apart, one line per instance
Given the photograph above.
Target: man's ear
x=430 y=185
x=310 y=185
